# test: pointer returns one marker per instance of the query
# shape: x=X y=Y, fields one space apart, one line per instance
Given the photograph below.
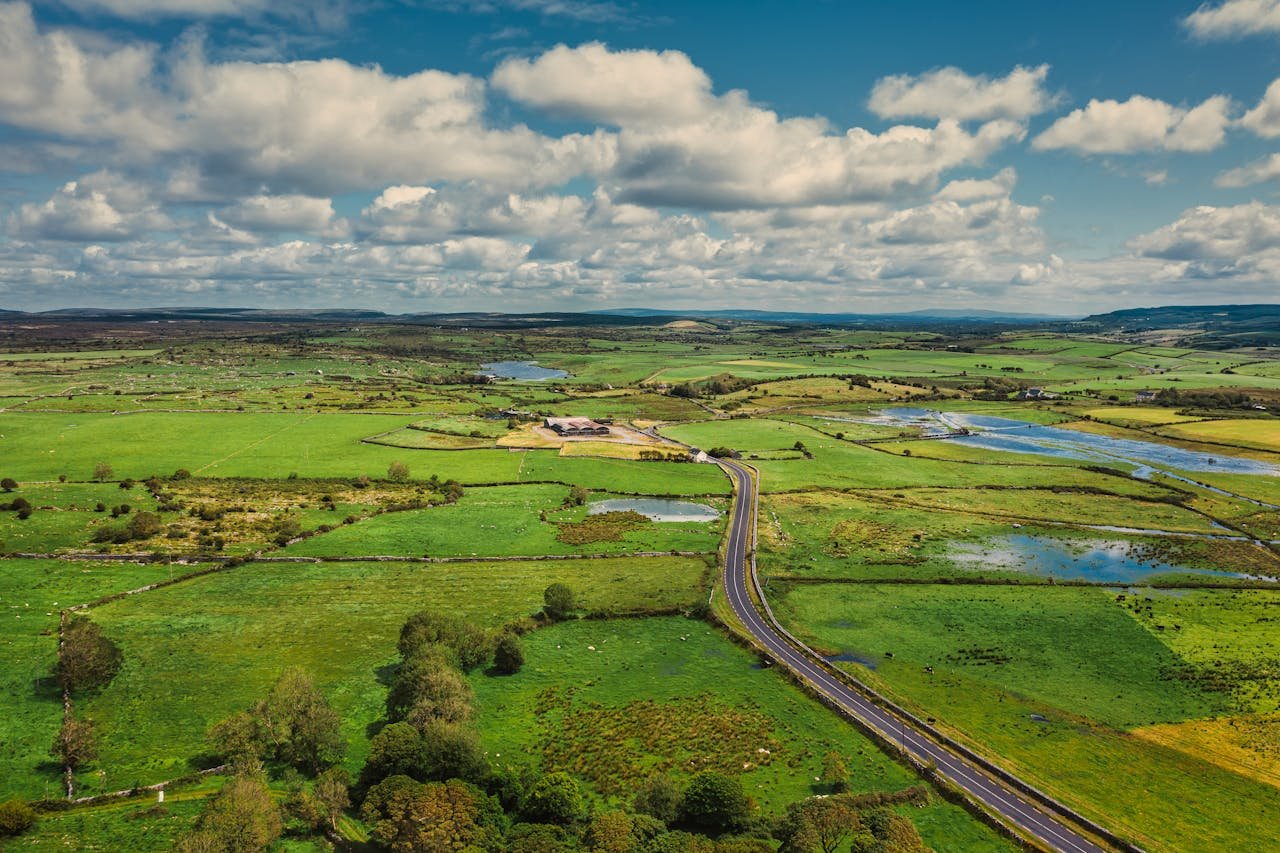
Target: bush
x=398 y=472
x=8 y=484
x=558 y=603
x=16 y=817
x=468 y=644
x=87 y=658
x=508 y=655
x=714 y=802
x=103 y=471
x=555 y=798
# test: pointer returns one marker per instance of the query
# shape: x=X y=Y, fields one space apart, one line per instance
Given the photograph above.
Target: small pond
x=527 y=371
x=1100 y=561
x=657 y=509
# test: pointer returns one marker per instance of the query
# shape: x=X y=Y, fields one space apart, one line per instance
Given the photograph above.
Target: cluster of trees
x=663 y=456
x=87 y=660
x=295 y=730
x=293 y=725
x=1207 y=399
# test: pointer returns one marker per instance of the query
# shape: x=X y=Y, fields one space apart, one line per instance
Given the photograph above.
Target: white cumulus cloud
x=951 y=93
x=1139 y=124
x=1264 y=119
x=1234 y=18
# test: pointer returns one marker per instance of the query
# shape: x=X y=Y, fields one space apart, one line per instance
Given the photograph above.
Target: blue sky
x=566 y=154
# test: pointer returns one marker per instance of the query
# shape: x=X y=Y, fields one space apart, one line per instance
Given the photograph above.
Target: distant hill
x=1208 y=326
x=950 y=315
x=949 y=318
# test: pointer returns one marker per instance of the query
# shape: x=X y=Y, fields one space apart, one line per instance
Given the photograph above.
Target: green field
x=1153 y=708
x=498 y=521
x=618 y=701
x=196 y=652
x=1077 y=661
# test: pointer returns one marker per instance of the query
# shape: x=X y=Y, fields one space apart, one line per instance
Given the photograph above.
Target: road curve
x=1031 y=817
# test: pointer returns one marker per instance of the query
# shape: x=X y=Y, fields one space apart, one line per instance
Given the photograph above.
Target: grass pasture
x=496 y=521
x=1051 y=680
x=198 y=651
x=614 y=702
x=31 y=594
x=1259 y=434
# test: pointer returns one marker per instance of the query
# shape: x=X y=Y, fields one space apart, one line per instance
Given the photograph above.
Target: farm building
x=1144 y=397
x=575 y=426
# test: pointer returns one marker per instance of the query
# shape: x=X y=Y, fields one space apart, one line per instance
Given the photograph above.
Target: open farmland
x=1096 y=624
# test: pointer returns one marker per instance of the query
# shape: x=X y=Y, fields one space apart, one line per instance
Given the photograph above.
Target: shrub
x=103 y=471
x=555 y=798
x=558 y=603
x=16 y=817
x=398 y=472
x=87 y=658
x=8 y=484
x=714 y=802
x=508 y=655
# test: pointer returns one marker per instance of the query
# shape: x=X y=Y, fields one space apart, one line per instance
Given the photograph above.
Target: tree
x=332 y=792
x=659 y=798
x=87 y=658
x=540 y=838
x=577 y=496
x=396 y=750
x=75 y=744
x=508 y=655
x=242 y=818
x=437 y=817
x=398 y=472
x=610 y=832
x=300 y=726
x=453 y=751
x=555 y=798
x=8 y=484
x=835 y=773
x=16 y=817
x=469 y=645
x=102 y=471
x=427 y=687
x=714 y=802
x=239 y=739
x=558 y=603
x=818 y=824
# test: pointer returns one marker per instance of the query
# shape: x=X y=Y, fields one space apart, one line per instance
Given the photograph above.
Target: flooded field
x=1095 y=560
x=658 y=509
x=1015 y=436
x=525 y=371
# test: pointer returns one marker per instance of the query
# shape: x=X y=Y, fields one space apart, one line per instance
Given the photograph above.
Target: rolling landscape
x=1074 y=586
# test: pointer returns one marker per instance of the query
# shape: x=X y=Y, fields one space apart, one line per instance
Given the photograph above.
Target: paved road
x=980 y=784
